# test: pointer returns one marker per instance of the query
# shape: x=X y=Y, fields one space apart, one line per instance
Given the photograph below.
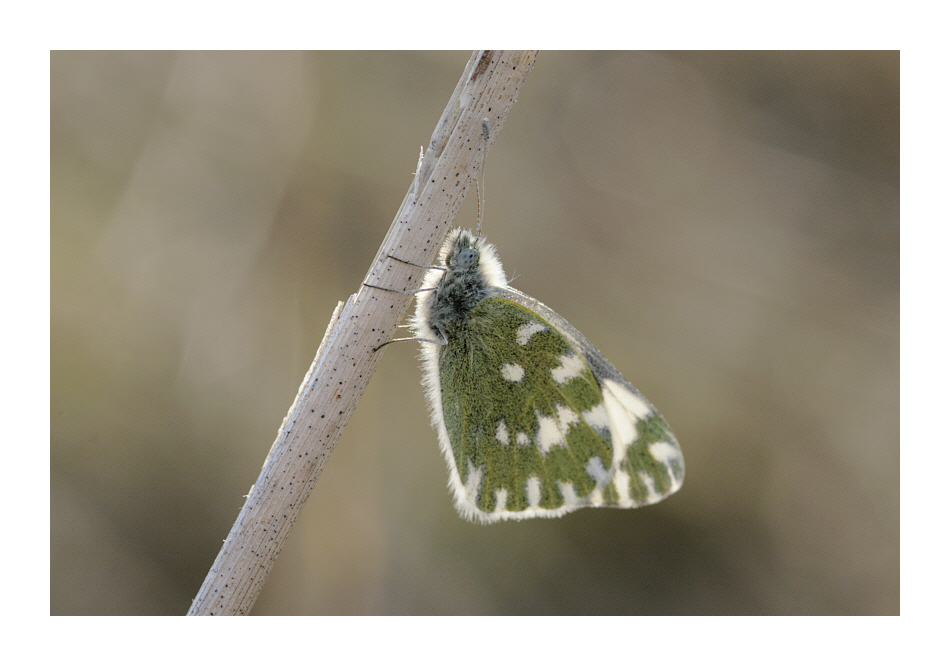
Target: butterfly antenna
x=480 y=203
x=479 y=180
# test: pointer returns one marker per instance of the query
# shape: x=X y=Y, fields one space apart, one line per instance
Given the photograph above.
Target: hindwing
x=535 y=422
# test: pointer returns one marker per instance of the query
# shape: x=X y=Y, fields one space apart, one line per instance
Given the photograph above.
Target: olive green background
x=723 y=226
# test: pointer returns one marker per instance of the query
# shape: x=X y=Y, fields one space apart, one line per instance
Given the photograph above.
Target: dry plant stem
x=345 y=361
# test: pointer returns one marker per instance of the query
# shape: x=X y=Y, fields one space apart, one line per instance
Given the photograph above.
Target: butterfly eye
x=467 y=258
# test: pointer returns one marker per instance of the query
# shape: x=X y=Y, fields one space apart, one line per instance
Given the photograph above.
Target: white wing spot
x=501 y=499
x=533 y=490
x=652 y=495
x=569 y=494
x=566 y=416
x=597 y=417
x=571 y=366
x=622 y=486
x=624 y=410
x=552 y=431
x=474 y=482
x=501 y=433
x=596 y=497
x=595 y=467
x=669 y=456
x=512 y=372
x=522 y=438
x=631 y=402
x=664 y=452
x=525 y=331
x=549 y=434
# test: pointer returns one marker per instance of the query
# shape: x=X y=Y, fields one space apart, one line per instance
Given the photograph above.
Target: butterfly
x=533 y=421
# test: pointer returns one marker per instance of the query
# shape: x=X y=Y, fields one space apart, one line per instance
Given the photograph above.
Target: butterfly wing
x=648 y=462
x=535 y=422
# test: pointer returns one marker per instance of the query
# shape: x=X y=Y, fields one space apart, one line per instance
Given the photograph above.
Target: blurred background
x=723 y=226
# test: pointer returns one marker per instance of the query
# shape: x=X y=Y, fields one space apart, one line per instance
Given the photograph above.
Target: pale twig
x=345 y=360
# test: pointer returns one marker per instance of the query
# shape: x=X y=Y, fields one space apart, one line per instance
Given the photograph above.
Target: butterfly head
x=464 y=253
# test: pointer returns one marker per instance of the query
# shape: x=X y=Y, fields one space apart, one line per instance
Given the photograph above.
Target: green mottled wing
x=539 y=423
